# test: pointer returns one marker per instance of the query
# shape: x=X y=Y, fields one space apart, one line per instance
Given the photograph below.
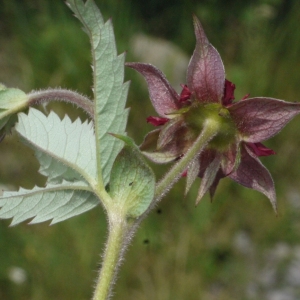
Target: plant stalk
x=119 y=229
x=115 y=247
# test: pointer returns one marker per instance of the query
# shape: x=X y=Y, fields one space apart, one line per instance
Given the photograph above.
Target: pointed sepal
x=209 y=177
x=258 y=119
x=206 y=74
x=192 y=173
x=252 y=174
x=163 y=96
x=149 y=149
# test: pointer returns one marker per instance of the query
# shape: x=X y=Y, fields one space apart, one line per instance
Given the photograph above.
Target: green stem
x=115 y=247
x=120 y=231
x=210 y=129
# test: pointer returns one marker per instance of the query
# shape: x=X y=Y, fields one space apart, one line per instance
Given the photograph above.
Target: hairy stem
x=115 y=248
x=44 y=96
x=120 y=231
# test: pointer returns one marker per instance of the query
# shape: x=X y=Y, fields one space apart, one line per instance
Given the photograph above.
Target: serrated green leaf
x=54 y=170
x=132 y=181
x=110 y=92
x=52 y=202
x=70 y=144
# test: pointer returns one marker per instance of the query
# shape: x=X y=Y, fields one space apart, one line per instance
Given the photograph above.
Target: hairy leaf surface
x=132 y=182
x=70 y=144
x=56 y=202
x=110 y=92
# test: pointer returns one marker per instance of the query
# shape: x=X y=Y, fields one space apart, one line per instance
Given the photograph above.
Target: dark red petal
x=252 y=174
x=157 y=121
x=164 y=98
x=259 y=149
x=258 y=119
x=205 y=75
x=185 y=94
x=228 y=93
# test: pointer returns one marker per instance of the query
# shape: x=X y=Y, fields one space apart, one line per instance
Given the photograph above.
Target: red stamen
x=260 y=150
x=157 y=121
x=228 y=97
x=185 y=93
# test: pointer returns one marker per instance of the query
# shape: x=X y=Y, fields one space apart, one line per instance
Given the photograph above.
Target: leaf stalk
x=45 y=96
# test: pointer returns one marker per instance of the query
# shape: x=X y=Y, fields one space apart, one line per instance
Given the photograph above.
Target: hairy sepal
x=252 y=174
x=209 y=177
x=149 y=149
x=206 y=74
x=163 y=97
x=258 y=119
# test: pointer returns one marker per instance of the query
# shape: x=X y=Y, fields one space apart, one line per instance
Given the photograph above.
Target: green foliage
x=66 y=152
x=70 y=154
x=71 y=144
x=132 y=182
x=52 y=202
x=110 y=92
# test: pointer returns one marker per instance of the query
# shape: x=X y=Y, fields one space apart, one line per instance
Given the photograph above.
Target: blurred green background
x=233 y=248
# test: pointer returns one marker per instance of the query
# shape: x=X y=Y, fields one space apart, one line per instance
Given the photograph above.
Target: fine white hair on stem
x=59 y=94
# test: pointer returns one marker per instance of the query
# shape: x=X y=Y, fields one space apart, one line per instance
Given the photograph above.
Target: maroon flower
x=235 y=149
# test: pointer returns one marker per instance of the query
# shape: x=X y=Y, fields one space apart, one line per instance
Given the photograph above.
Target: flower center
x=199 y=114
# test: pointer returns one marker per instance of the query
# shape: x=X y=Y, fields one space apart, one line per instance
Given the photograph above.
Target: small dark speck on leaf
x=146 y=241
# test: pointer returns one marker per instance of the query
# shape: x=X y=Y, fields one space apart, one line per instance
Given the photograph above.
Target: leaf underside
x=64 y=149
x=73 y=155
x=66 y=152
x=52 y=202
x=132 y=182
x=110 y=92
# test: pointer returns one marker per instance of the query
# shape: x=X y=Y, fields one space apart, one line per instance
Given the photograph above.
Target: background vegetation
x=233 y=248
